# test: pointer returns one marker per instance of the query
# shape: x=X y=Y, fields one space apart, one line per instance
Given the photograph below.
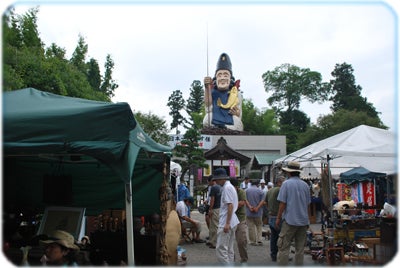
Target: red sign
x=369 y=195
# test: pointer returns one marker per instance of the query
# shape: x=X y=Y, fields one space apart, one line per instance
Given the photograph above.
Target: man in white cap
x=294 y=197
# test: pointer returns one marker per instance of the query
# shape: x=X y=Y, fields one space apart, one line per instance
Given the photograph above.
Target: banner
x=368 y=188
x=357 y=193
x=205 y=141
x=199 y=174
x=232 y=169
x=344 y=192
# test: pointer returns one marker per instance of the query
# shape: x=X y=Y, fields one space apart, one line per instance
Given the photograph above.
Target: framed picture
x=69 y=219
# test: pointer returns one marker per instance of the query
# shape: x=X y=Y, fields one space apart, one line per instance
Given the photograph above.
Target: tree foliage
x=289 y=84
x=154 y=126
x=27 y=63
x=108 y=86
x=195 y=105
x=188 y=153
x=79 y=55
x=257 y=122
x=176 y=104
x=346 y=94
x=293 y=125
x=195 y=102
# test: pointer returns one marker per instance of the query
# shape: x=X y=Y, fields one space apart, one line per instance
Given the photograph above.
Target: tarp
x=369 y=147
x=360 y=174
x=99 y=145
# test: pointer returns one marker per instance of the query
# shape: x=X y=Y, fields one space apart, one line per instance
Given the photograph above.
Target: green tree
x=29 y=31
x=289 y=84
x=79 y=55
x=249 y=115
x=195 y=105
x=176 y=103
x=108 y=85
x=188 y=154
x=93 y=74
x=12 y=36
x=195 y=101
x=346 y=94
x=27 y=63
x=54 y=51
x=22 y=50
x=154 y=126
x=257 y=122
x=293 y=124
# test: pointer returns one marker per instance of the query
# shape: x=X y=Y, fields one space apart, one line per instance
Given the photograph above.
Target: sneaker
x=253 y=244
x=259 y=243
x=199 y=241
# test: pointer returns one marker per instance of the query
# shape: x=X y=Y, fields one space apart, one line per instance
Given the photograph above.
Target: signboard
x=204 y=143
x=69 y=219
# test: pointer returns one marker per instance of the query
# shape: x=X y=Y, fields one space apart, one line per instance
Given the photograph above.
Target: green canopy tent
x=360 y=174
x=96 y=150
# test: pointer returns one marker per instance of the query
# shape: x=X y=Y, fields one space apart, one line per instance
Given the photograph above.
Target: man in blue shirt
x=183 y=191
x=295 y=198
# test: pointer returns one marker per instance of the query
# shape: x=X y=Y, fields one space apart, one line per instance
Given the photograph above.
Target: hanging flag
x=344 y=192
x=199 y=174
x=369 y=195
x=232 y=169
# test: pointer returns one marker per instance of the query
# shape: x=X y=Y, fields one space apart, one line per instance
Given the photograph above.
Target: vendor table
x=354 y=228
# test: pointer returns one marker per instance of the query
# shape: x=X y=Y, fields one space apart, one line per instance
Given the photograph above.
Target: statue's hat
x=224 y=63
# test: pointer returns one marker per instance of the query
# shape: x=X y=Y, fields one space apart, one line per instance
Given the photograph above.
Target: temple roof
x=263 y=159
x=222 y=151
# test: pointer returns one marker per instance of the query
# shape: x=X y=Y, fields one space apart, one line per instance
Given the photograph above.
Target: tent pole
x=129 y=224
x=330 y=189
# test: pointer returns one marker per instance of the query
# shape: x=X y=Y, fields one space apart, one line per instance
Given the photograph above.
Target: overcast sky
x=161 y=48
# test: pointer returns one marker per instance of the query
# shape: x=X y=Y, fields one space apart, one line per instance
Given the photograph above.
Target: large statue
x=222 y=98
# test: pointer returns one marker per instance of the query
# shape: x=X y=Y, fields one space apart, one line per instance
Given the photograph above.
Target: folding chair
x=186 y=231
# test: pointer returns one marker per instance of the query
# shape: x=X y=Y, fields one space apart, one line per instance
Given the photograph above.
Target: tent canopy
x=360 y=174
x=98 y=146
x=366 y=146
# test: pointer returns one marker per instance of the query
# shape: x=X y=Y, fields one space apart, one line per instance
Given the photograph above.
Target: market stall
x=362 y=146
x=73 y=152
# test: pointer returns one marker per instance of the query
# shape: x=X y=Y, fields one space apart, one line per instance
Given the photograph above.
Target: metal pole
x=129 y=224
x=330 y=189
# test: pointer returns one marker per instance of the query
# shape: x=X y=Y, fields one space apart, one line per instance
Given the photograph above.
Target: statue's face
x=223 y=78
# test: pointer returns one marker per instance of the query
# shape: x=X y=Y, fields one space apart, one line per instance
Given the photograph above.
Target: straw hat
x=292 y=166
x=62 y=238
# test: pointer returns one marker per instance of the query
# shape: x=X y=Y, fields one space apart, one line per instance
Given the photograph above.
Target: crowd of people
x=239 y=209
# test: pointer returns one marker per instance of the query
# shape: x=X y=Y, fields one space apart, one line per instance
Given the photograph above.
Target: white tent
x=369 y=147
